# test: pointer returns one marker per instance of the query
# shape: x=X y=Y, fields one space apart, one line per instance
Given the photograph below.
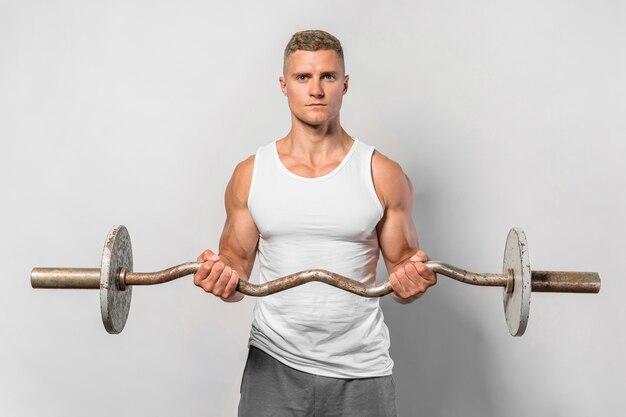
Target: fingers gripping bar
x=115 y=280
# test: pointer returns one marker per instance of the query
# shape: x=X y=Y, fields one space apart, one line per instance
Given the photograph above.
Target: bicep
x=240 y=236
x=397 y=237
x=239 y=240
x=397 y=234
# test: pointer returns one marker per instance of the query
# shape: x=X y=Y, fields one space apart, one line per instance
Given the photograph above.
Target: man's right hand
x=216 y=277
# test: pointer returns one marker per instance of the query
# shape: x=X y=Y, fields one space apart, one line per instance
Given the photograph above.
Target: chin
x=317 y=122
x=312 y=121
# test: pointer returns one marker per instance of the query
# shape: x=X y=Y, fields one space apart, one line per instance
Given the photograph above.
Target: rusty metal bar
x=75 y=278
x=159 y=277
x=468 y=277
x=473 y=278
x=542 y=281
x=320 y=275
x=268 y=288
x=312 y=275
x=558 y=281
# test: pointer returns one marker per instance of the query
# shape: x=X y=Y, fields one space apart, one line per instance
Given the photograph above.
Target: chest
x=337 y=209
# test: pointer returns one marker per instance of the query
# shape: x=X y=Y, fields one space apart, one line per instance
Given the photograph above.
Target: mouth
x=316 y=105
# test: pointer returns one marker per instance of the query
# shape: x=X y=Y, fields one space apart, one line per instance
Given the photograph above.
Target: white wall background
x=502 y=113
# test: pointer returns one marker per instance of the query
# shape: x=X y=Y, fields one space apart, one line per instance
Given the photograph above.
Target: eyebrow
x=308 y=74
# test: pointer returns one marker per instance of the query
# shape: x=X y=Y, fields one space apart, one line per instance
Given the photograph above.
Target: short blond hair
x=313 y=40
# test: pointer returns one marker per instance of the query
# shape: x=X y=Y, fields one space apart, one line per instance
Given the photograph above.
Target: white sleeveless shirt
x=328 y=222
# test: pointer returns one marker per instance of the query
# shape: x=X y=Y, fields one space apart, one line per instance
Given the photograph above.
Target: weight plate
x=517 y=263
x=115 y=302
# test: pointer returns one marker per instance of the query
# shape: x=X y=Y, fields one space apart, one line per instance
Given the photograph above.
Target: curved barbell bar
x=314 y=275
x=89 y=278
x=115 y=280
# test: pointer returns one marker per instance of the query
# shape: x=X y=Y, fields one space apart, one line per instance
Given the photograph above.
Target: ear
x=283 y=84
x=346 y=79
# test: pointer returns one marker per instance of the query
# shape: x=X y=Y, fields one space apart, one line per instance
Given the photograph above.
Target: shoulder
x=239 y=185
x=392 y=185
x=385 y=168
x=244 y=168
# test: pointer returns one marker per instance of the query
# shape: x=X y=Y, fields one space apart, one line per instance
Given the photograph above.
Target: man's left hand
x=411 y=279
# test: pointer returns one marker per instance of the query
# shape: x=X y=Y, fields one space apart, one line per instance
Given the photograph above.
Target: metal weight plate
x=114 y=301
x=517 y=299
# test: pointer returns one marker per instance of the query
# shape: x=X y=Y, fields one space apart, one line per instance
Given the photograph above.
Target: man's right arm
x=219 y=274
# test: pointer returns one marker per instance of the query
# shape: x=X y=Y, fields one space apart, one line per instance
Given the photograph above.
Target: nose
x=316 y=89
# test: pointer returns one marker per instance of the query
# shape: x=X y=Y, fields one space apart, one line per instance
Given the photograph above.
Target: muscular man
x=317 y=198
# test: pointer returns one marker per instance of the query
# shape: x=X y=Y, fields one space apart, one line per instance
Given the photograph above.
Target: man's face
x=314 y=84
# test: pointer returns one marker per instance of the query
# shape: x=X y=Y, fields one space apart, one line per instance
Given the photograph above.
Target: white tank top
x=328 y=222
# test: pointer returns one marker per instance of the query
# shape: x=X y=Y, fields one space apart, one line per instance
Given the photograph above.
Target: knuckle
x=393 y=281
x=196 y=279
x=411 y=270
x=218 y=267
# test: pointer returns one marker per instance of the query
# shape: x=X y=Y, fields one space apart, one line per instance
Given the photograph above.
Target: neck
x=309 y=141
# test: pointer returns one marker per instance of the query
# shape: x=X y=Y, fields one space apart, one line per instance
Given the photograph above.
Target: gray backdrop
x=135 y=112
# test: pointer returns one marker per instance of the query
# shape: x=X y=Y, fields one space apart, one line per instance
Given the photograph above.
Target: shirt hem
x=318 y=372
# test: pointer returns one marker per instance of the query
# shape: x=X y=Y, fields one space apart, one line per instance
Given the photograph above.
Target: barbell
x=115 y=279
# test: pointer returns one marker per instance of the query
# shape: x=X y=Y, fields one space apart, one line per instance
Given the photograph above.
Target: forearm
x=400 y=259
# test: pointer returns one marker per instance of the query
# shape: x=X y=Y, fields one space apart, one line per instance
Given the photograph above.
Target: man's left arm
x=397 y=235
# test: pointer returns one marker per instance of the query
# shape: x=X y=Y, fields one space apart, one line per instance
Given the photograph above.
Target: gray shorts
x=272 y=389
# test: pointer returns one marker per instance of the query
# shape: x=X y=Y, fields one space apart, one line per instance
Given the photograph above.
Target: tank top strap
x=264 y=167
x=363 y=160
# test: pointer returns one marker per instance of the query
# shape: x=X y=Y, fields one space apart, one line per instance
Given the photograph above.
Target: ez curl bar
x=115 y=280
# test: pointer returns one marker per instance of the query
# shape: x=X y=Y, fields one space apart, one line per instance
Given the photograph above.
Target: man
x=317 y=198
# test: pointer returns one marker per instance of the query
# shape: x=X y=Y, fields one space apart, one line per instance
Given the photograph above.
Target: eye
x=301 y=77
x=328 y=77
